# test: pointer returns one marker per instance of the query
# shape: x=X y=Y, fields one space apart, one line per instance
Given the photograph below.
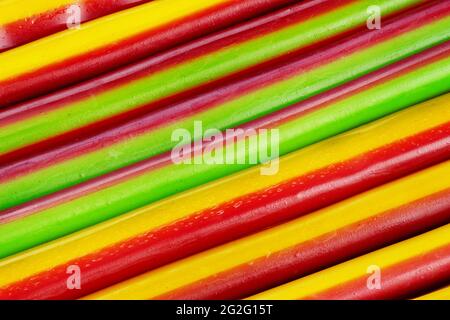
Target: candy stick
x=59 y=60
x=139 y=69
x=309 y=230
x=441 y=294
x=131 y=88
x=148 y=186
x=406 y=268
x=387 y=228
x=269 y=121
x=136 y=251
x=182 y=75
x=151 y=135
x=42 y=18
x=191 y=235
x=173 y=22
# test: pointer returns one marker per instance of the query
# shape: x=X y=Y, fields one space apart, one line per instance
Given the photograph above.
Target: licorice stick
x=43 y=17
x=134 y=37
x=224 y=223
x=269 y=121
x=16 y=163
x=150 y=185
x=389 y=227
x=58 y=60
x=151 y=135
x=336 y=224
x=136 y=252
x=201 y=65
x=403 y=269
x=145 y=66
x=441 y=294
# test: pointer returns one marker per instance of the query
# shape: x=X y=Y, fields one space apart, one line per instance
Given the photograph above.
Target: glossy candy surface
x=225 y=149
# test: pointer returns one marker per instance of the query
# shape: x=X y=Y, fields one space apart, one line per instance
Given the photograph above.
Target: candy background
x=353 y=94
